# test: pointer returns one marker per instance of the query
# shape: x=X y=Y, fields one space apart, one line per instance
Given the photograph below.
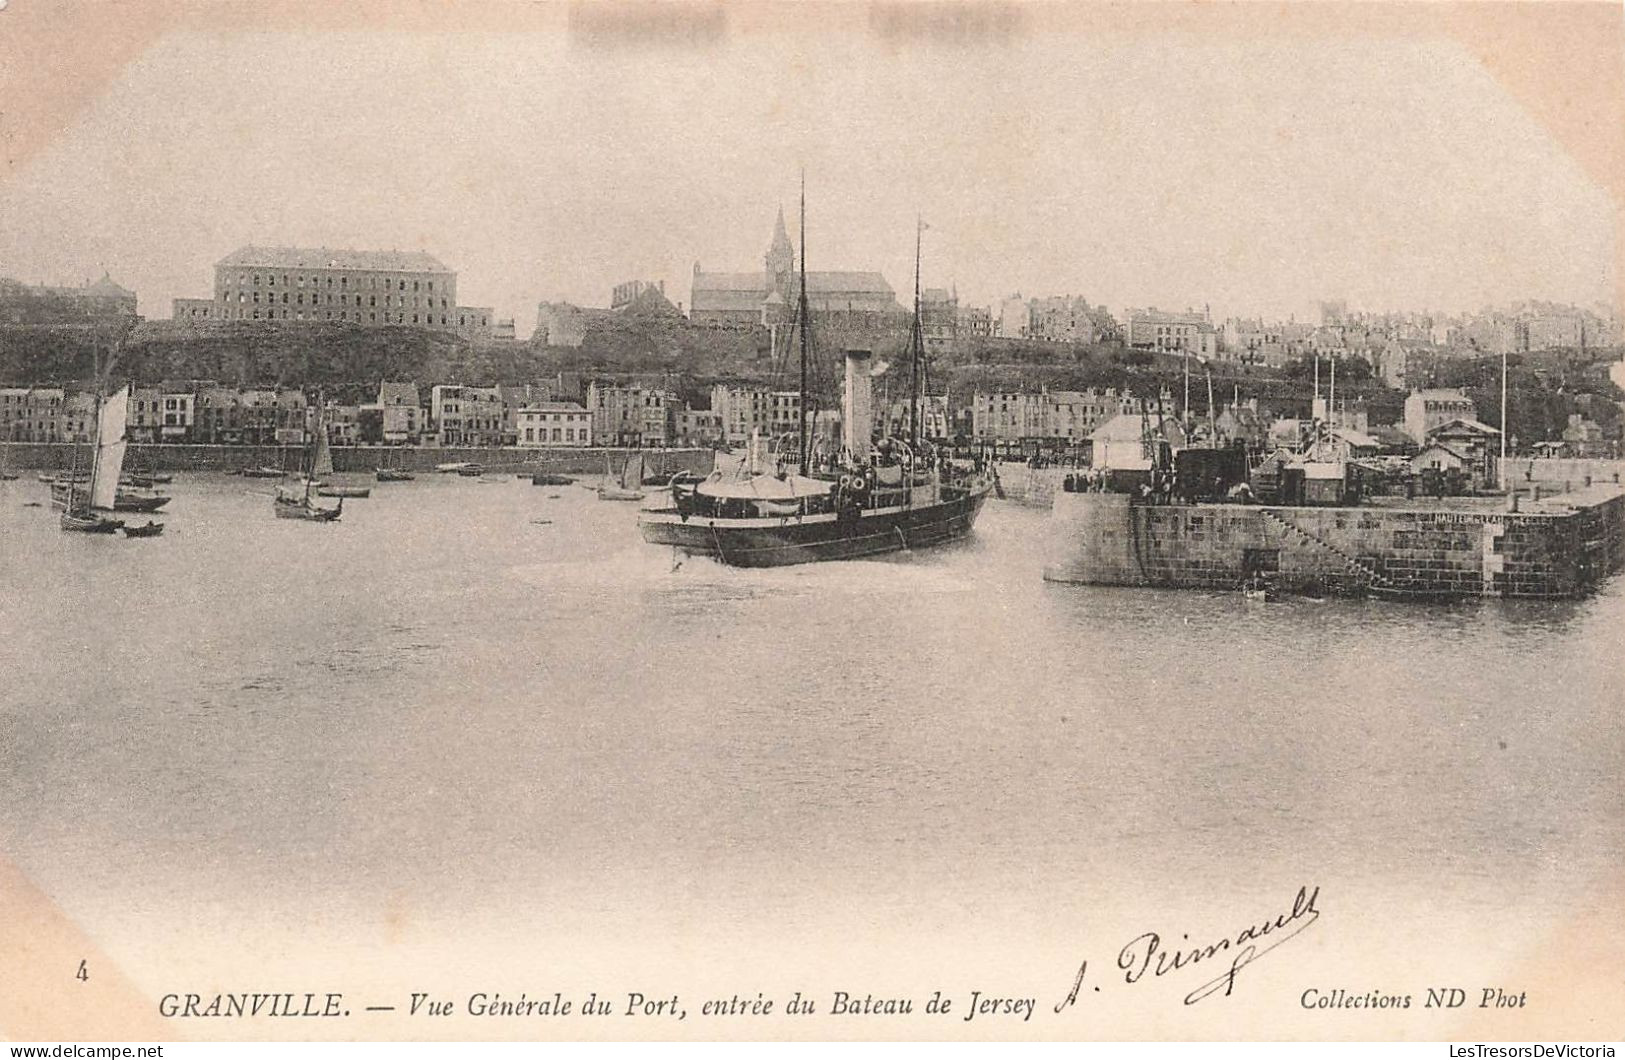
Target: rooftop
x=328 y=258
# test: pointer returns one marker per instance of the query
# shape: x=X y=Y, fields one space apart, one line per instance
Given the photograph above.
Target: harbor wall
x=1561 y=469
x=1560 y=548
x=56 y=456
x=1033 y=487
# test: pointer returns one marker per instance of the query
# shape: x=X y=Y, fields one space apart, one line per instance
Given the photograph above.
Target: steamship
x=863 y=499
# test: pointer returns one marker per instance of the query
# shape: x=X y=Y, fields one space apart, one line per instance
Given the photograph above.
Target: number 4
x=83 y=974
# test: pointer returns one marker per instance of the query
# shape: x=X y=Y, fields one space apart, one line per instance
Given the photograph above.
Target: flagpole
x=1501 y=468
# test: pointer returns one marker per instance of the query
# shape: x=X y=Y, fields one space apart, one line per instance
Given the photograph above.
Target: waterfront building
x=401 y=418
x=743 y=409
x=466 y=415
x=373 y=288
x=1426 y=410
x=630 y=415
x=553 y=423
x=144 y=415
x=180 y=408
x=892 y=417
x=769 y=296
x=701 y=427
x=1061 y=415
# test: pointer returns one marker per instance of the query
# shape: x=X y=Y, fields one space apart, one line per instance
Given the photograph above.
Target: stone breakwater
x=1034 y=487
x=364 y=459
x=1563 y=546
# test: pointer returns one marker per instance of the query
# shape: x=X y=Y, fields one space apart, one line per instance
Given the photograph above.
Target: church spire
x=780 y=259
x=781 y=237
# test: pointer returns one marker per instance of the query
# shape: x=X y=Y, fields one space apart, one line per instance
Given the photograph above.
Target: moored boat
x=628 y=486
x=294 y=502
x=343 y=491
x=151 y=529
x=862 y=500
x=82 y=509
x=394 y=474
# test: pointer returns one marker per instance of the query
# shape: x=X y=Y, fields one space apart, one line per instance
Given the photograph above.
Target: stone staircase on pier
x=1353 y=563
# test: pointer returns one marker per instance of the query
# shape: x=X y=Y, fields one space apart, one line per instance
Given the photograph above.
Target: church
x=742 y=299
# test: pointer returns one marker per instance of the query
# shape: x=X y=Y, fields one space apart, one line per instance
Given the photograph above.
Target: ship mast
x=801 y=311
x=916 y=342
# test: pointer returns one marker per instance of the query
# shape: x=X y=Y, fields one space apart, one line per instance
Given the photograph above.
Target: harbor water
x=479 y=736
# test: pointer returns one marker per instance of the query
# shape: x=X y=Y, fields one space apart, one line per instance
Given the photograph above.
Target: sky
x=1253 y=176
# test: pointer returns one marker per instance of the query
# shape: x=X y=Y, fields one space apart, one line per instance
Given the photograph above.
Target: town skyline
x=1167 y=171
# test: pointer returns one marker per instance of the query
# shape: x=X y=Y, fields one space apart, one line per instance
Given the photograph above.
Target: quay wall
x=1033 y=487
x=56 y=456
x=1562 y=548
x=1562 y=469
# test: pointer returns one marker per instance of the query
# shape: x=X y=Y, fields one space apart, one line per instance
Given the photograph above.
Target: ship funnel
x=857 y=406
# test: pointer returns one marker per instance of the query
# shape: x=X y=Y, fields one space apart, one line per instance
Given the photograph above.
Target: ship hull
x=788 y=540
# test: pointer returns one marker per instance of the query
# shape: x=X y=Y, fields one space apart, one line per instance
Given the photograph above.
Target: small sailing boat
x=388 y=472
x=80 y=509
x=629 y=487
x=293 y=502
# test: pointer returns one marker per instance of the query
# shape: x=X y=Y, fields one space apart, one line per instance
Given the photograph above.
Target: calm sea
x=478 y=720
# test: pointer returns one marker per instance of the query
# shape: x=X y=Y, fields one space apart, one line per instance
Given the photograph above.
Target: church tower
x=781 y=260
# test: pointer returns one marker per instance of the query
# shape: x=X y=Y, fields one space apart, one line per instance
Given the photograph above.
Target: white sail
x=632 y=472
x=110 y=446
x=323 y=464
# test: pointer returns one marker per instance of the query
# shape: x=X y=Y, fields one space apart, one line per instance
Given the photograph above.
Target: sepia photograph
x=744 y=520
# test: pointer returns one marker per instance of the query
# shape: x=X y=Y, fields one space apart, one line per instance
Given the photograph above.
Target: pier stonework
x=1563 y=549
x=1033 y=487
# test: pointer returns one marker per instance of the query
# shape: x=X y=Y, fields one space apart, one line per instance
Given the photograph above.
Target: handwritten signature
x=1147 y=952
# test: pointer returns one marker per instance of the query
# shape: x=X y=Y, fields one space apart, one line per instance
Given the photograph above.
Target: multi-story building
x=550 y=423
x=32 y=414
x=1014 y=318
x=1009 y=416
x=939 y=318
x=1427 y=410
x=892 y=418
x=400 y=414
x=368 y=287
x=700 y=427
x=630 y=415
x=975 y=322
x=179 y=412
x=743 y=409
x=1188 y=332
x=466 y=415
x=143 y=416
x=1061 y=318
